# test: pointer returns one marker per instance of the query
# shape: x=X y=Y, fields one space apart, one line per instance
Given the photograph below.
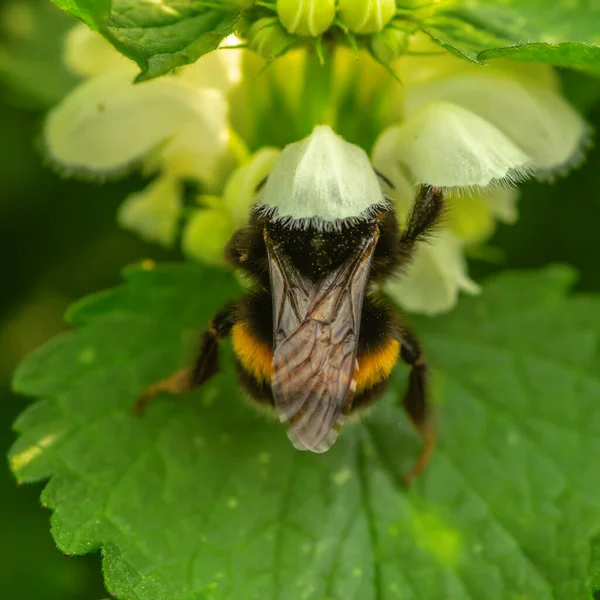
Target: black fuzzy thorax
x=315 y=251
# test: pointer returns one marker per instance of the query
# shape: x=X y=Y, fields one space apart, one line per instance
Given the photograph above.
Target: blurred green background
x=59 y=241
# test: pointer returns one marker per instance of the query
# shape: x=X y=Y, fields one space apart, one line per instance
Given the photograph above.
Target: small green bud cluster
x=366 y=16
x=306 y=17
x=380 y=25
x=314 y=17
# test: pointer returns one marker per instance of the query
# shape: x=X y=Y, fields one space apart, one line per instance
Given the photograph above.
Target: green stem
x=317 y=92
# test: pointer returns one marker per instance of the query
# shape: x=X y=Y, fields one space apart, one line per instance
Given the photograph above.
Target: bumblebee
x=313 y=338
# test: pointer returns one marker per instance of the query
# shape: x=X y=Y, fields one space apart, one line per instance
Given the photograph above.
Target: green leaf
x=566 y=34
x=90 y=11
x=204 y=498
x=159 y=36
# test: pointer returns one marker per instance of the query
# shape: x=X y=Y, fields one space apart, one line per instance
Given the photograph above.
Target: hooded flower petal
x=196 y=150
x=154 y=212
x=322 y=176
x=433 y=280
x=532 y=116
x=448 y=146
x=438 y=271
x=87 y=53
x=108 y=123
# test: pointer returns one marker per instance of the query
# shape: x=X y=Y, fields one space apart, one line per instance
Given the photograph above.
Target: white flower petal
x=322 y=176
x=197 y=149
x=107 y=123
x=154 y=212
x=535 y=118
x=448 y=146
x=433 y=280
x=87 y=53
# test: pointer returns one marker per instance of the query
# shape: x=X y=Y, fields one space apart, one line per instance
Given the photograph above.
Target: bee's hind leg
x=415 y=401
x=204 y=367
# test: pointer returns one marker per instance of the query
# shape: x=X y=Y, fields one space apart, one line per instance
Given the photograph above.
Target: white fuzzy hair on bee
x=321 y=180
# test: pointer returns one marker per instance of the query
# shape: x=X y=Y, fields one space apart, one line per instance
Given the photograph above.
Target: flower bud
x=389 y=44
x=306 y=17
x=268 y=38
x=366 y=16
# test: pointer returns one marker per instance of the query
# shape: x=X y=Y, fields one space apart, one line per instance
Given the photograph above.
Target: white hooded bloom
x=465 y=126
x=436 y=275
x=473 y=131
x=109 y=122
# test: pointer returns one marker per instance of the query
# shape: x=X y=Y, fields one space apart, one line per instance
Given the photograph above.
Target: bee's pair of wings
x=315 y=330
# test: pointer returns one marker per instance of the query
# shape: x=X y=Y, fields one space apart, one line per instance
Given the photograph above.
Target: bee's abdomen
x=251 y=336
x=253 y=354
x=376 y=366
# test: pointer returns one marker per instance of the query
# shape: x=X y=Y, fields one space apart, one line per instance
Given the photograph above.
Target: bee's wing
x=315 y=330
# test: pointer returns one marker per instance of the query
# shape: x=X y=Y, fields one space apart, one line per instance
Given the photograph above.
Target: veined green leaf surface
x=565 y=34
x=158 y=35
x=202 y=497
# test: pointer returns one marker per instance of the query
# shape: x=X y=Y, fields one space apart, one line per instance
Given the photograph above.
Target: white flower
x=438 y=271
x=109 y=123
x=468 y=126
x=323 y=176
x=433 y=280
x=448 y=146
x=466 y=129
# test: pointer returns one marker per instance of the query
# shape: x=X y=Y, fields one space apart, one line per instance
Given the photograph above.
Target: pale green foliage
x=565 y=34
x=201 y=497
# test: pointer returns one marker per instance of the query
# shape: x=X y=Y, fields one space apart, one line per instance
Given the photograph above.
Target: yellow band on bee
x=376 y=366
x=255 y=356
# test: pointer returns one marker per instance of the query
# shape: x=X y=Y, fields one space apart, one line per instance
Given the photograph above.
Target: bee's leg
x=205 y=366
x=415 y=401
x=424 y=216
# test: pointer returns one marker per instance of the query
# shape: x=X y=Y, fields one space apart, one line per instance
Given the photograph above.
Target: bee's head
x=321 y=180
